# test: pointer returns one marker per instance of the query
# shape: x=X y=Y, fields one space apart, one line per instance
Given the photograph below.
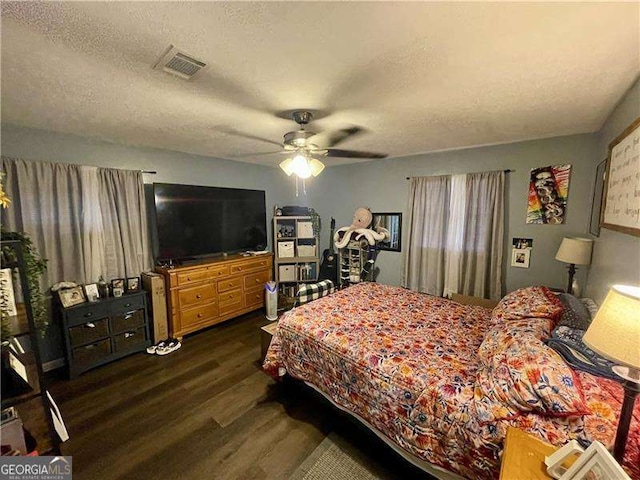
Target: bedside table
x=266 y=334
x=523 y=456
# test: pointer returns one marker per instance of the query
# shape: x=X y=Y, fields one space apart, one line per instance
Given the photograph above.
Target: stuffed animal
x=360 y=229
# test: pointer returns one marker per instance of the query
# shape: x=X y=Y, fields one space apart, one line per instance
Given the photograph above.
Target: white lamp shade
x=316 y=167
x=615 y=330
x=287 y=166
x=575 y=250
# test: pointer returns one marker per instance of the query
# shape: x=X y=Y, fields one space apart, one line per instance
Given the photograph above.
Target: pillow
x=537 y=302
x=501 y=335
x=591 y=306
x=575 y=314
x=526 y=377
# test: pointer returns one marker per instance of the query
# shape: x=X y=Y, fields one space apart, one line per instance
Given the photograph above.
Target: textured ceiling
x=418 y=77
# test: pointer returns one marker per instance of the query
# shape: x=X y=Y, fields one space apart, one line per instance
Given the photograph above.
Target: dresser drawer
x=230 y=301
x=185 y=278
x=129 y=339
x=217 y=271
x=90 y=354
x=127 y=321
x=229 y=284
x=193 y=296
x=88 y=332
x=86 y=313
x=198 y=315
x=126 y=304
x=254 y=298
x=256 y=279
x=251 y=265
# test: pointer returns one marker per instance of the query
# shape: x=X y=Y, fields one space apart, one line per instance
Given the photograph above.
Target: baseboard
x=53 y=364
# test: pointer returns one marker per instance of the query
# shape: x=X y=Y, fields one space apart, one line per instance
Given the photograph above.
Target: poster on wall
x=548 y=192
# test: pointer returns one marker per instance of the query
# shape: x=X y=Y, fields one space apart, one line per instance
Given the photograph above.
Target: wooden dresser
x=215 y=290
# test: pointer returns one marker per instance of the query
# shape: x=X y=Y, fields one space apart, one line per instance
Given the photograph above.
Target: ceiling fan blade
x=334 y=152
x=233 y=131
x=332 y=138
x=257 y=154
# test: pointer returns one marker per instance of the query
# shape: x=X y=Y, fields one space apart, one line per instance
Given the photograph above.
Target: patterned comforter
x=407 y=362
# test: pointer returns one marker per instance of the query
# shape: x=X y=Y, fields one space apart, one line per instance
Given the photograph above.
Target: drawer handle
x=88 y=314
x=90 y=325
x=199 y=315
x=230 y=296
x=257 y=280
x=127 y=305
x=239 y=268
x=188 y=279
x=128 y=316
x=219 y=273
x=257 y=296
x=231 y=284
x=90 y=347
x=129 y=334
x=198 y=296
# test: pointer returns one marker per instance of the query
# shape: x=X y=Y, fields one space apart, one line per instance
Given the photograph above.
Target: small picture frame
x=117 y=283
x=93 y=294
x=520 y=257
x=71 y=296
x=117 y=291
x=133 y=284
x=596 y=463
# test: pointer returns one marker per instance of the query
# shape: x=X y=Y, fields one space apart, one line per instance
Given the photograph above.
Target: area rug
x=335 y=459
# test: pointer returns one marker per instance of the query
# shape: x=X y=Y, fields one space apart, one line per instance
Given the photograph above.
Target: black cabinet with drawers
x=99 y=332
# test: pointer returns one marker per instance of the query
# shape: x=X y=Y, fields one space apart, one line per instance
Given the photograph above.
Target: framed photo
x=117 y=283
x=621 y=210
x=133 y=284
x=596 y=203
x=71 y=296
x=93 y=294
x=520 y=257
x=596 y=463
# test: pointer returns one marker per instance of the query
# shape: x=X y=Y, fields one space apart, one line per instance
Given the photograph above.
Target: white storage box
x=286 y=249
x=306 y=250
x=287 y=273
x=305 y=230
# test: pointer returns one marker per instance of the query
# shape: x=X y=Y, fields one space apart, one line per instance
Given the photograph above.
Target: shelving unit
x=296 y=249
x=23 y=383
x=352 y=260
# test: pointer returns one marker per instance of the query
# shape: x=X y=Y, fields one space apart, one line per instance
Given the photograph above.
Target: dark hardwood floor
x=205 y=411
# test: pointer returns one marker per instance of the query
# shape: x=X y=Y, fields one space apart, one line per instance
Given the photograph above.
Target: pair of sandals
x=164 y=347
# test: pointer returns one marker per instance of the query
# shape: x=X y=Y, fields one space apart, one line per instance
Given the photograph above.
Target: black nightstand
x=99 y=332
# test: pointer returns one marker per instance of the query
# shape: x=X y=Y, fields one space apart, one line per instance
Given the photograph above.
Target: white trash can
x=271 y=293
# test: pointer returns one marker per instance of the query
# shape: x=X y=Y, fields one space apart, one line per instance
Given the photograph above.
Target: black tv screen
x=197 y=221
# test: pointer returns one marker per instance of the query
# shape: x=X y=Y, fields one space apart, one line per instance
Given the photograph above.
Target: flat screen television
x=194 y=221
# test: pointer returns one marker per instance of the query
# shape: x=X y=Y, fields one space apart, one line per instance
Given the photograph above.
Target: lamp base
x=631 y=387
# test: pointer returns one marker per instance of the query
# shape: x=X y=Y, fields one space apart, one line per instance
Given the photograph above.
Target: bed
x=428 y=375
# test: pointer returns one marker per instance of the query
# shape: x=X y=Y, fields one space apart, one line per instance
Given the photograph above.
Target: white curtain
x=428 y=215
x=75 y=218
x=456 y=235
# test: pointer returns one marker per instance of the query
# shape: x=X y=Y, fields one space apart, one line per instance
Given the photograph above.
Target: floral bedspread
x=406 y=362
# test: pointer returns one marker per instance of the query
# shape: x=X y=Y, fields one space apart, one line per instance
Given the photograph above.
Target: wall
x=383 y=187
x=616 y=256
x=172 y=167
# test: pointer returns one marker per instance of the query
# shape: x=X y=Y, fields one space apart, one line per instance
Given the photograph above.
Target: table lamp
x=615 y=334
x=574 y=251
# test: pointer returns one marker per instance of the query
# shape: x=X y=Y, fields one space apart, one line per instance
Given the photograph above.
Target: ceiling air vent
x=178 y=63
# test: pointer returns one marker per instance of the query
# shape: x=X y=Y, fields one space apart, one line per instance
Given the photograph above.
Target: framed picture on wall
x=596 y=203
x=621 y=209
x=520 y=257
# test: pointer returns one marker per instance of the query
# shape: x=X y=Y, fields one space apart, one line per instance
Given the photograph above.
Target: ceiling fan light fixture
x=287 y=165
x=316 y=167
x=301 y=166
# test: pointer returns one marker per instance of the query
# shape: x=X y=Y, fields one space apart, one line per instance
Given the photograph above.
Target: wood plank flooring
x=206 y=411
